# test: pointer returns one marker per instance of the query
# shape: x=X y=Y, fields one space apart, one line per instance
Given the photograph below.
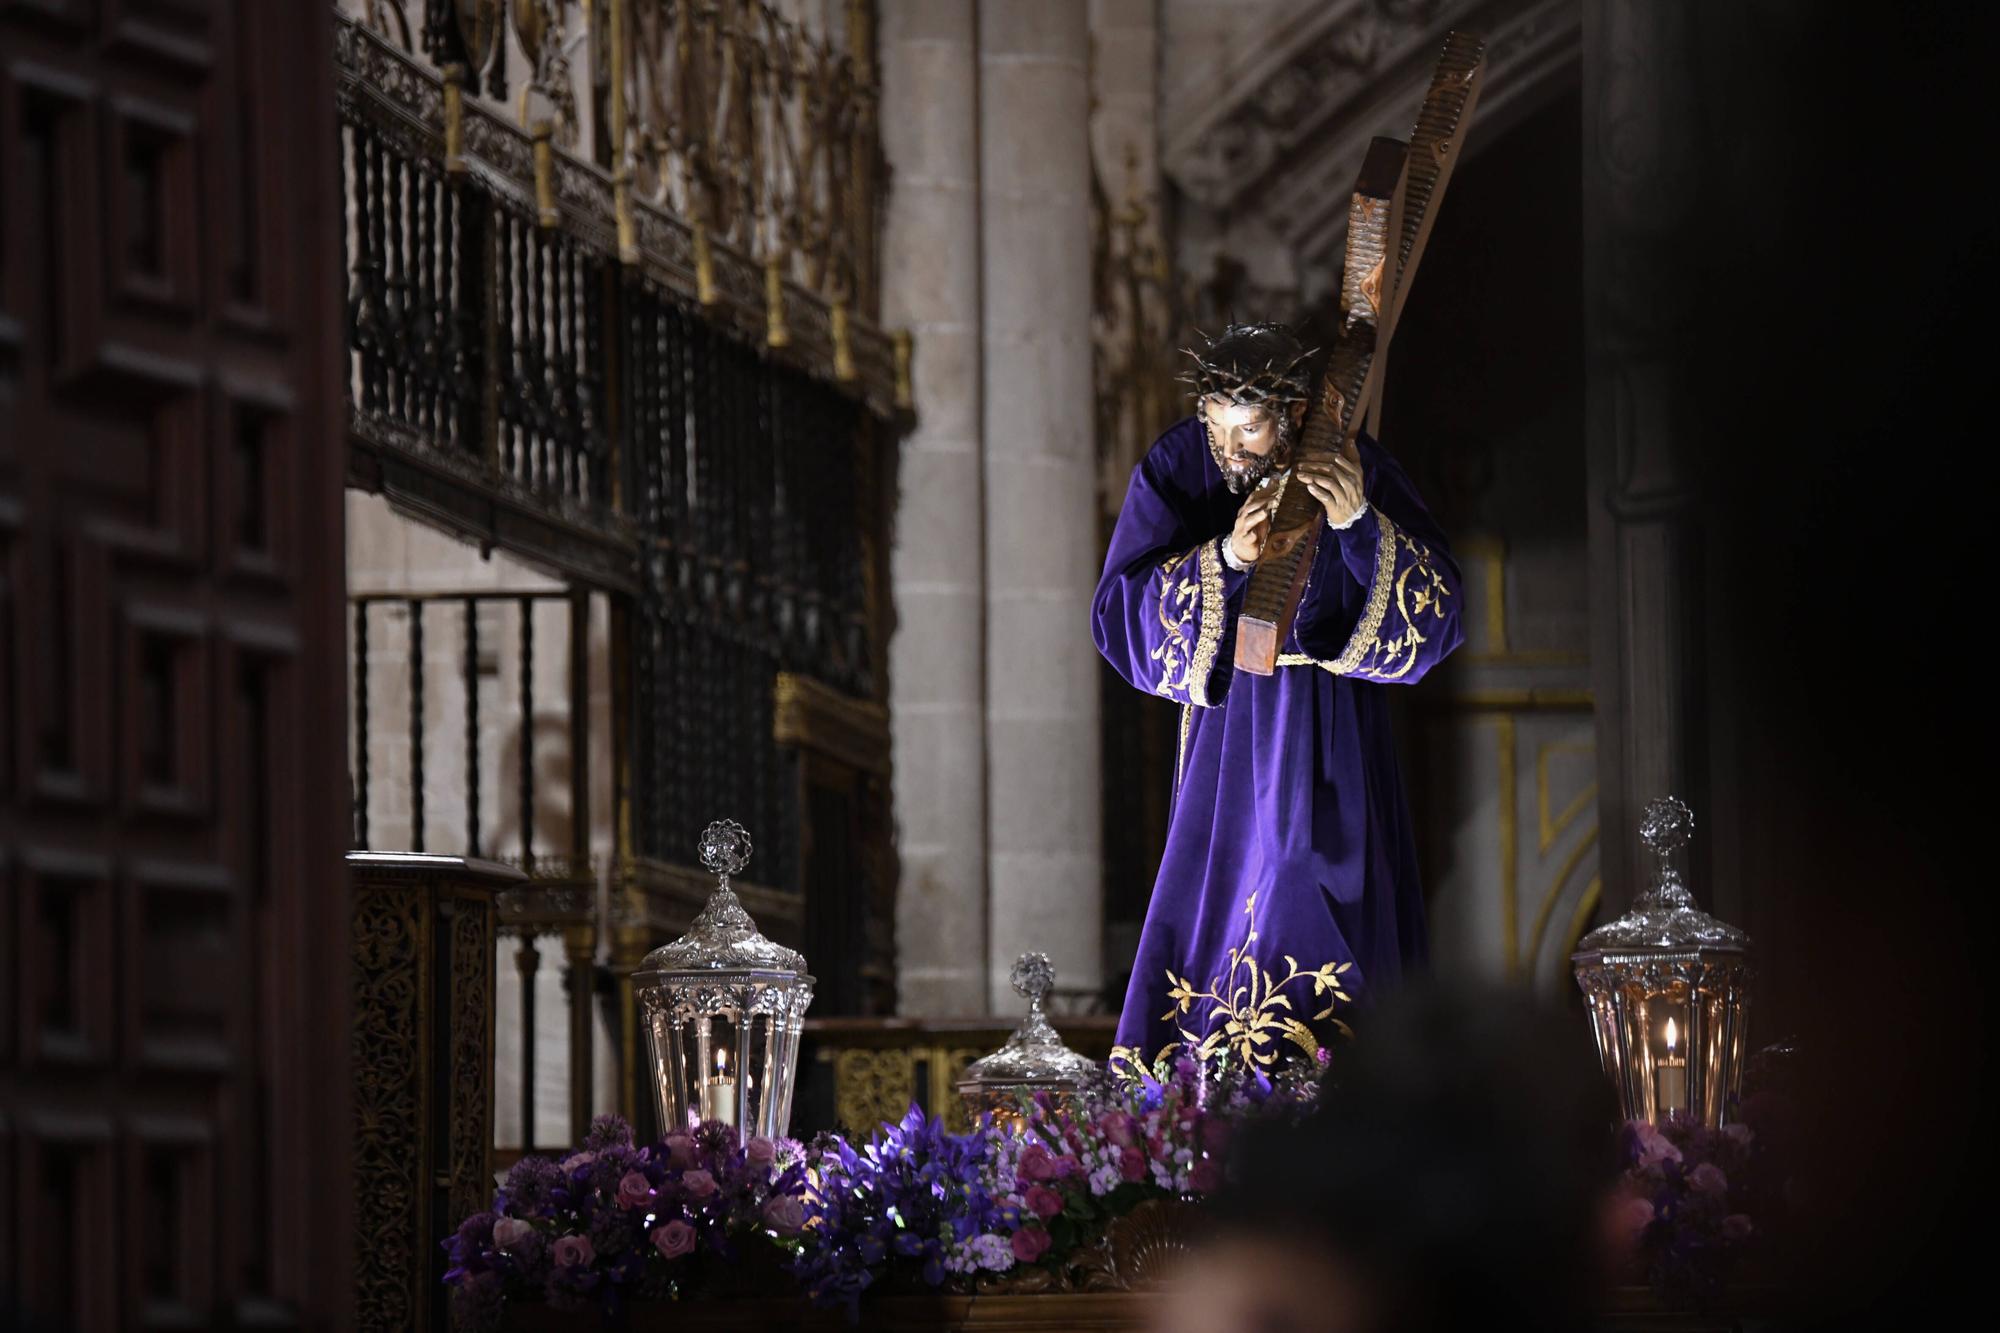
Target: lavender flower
x=607 y=1131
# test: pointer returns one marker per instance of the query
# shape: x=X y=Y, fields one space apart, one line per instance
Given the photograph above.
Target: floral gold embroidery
x=1177 y=608
x=1208 y=635
x=1418 y=592
x=1378 y=599
x=1244 y=1007
x=1191 y=614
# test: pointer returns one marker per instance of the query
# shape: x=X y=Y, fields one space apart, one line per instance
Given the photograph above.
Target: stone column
x=1639 y=196
x=937 y=705
x=1040 y=533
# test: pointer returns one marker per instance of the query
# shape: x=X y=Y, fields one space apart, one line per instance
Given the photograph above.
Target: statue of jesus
x=1289 y=882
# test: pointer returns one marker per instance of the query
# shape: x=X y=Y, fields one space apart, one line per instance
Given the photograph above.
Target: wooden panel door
x=173 y=1133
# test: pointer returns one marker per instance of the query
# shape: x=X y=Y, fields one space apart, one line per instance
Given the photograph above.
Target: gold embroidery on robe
x=1420 y=588
x=1187 y=659
x=1209 y=633
x=1243 y=1008
x=1177 y=608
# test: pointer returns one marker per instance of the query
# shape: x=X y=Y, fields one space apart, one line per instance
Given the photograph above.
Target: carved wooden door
x=173 y=1132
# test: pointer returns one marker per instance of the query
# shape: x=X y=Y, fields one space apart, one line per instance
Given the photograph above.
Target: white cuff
x=1341 y=527
x=1229 y=557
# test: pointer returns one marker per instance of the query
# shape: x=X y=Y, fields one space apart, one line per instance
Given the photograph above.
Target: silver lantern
x=1034 y=1058
x=1669 y=990
x=723 y=1007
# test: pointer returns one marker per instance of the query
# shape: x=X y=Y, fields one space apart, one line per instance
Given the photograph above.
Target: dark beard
x=1243 y=480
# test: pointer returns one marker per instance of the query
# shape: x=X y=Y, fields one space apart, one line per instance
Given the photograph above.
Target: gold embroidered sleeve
x=1409 y=620
x=1192 y=613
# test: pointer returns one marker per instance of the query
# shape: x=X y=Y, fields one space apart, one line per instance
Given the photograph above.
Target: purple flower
x=698 y=1183
x=784 y=1214
x=574 y=1252
x=531 y=1182
x=673 y=1239
x=576 y=1161
x=634 y=1190
x=1708 y=1179
x=476 y=1302
x=608 y=1131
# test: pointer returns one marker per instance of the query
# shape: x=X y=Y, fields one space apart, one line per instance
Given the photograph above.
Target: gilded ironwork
x=813 y=133
x=762 y=131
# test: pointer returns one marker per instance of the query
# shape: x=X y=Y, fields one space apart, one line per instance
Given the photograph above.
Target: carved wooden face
x=1248 y=440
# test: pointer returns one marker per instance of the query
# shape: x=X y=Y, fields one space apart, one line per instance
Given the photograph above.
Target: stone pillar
x=1639 y=194
x=927 y=51
x=1042 y=554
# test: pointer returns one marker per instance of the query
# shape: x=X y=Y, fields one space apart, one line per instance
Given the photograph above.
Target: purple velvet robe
x=1288 y=888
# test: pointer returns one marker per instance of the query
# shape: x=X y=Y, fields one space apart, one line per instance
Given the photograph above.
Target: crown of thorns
x=1251 y=364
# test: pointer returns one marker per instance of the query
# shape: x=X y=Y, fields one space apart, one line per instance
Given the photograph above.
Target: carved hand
x=1253 y=522
x=1336 y=482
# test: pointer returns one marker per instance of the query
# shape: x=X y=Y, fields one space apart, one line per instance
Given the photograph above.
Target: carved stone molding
x=1290 y=128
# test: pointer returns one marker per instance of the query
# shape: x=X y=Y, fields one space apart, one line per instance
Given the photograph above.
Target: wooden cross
x=1388 y=223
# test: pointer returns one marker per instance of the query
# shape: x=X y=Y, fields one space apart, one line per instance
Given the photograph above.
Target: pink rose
x=1708 y=1179
x=634 y=1190
x=698 y=1183
x=1120 y=1128
x=575 y=1160
x=1035 y=1164
x=574 y=1252
x=1045 y=1202
x=760 y=1151
x=1654 y=1147
x=680 y=1151
x=1206 y=1177
x=674 y=1239
x=784 y=1214
x=1067 y=1167
x=1740 y=1135
x=1132 y=1164
x=1627 y=1222
x=1735 y=1227
x=1029 y=1244
x=509 y=1232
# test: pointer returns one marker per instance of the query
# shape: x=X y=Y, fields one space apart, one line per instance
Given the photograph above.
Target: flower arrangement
x=1698 y=1202
x=1135 y=1134
x=913 y=1204
x=613 y=1223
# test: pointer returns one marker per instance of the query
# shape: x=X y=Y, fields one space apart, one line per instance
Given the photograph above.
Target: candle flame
x=722 y=1058
x=1672 y=1037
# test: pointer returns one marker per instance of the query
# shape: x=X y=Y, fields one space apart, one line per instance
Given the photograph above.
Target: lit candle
x=1671 y=1078
x=720 y=1099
